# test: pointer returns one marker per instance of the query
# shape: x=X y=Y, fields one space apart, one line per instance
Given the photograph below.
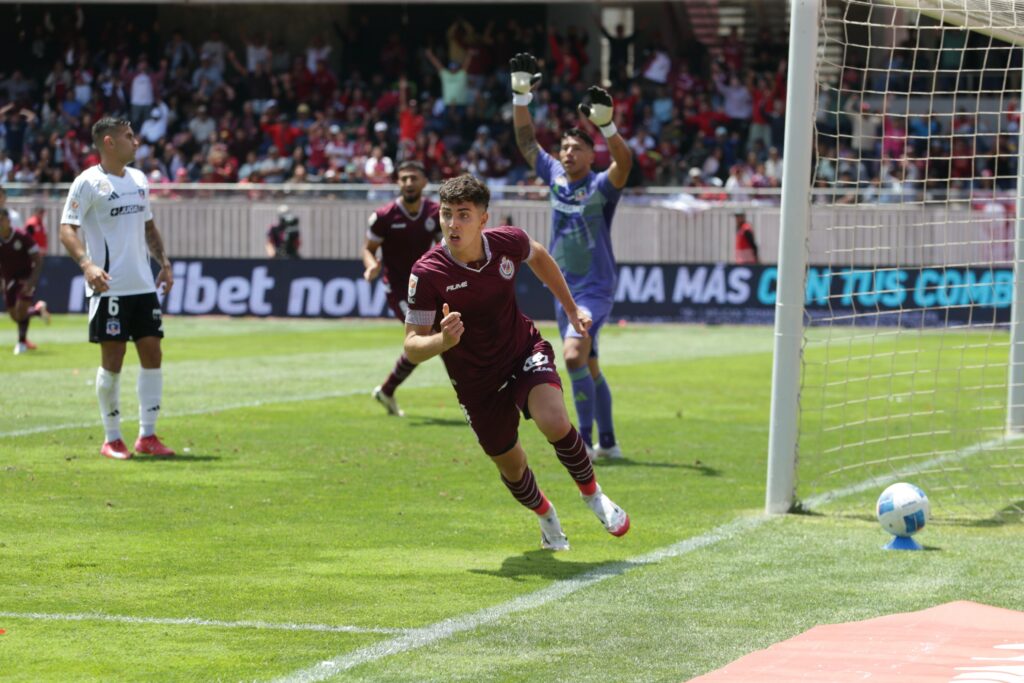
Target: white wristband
x=609 y=129
x=521 y=99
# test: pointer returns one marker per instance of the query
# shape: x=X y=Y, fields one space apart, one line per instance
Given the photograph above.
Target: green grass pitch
x=303 y=535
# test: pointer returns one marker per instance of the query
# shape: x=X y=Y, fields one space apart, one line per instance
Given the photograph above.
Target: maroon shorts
x=12 y=293
x=494 y=415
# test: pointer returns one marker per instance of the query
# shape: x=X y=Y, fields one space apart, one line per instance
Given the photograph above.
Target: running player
x=21 y=264
x=462 y=305
x=107 y=228
x=583 y=203
x=403 y=230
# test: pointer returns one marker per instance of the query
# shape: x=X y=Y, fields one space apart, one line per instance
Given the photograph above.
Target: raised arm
x=432 y=58
x=547 y=271
x=525 y=77
x=598 y=106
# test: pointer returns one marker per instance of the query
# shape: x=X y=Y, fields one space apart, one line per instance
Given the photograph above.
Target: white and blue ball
x=903 y=509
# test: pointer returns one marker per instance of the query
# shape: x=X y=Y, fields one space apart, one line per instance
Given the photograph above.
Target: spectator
x=179 y=52
x=454 y=83
x=746 y=244
x=35 y=227
x=283 y=236
x=202 y=126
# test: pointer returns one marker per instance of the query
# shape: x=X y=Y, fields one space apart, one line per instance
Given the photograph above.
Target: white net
x=911 y=245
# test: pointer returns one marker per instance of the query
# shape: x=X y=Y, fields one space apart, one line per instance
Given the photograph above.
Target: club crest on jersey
x=17 y=246
x=430 y=224
x=413 y=281
x=580 y=194
x=506 y=268
x=562 y=181
x=113 y=327
x=142 y=193
x=536 y=362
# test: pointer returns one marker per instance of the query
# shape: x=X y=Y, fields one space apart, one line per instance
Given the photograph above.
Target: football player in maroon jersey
x=403 y=230
x=21 y=264
x=462 y=306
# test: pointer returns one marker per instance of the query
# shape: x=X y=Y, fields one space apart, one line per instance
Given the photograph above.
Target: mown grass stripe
x=196 y=621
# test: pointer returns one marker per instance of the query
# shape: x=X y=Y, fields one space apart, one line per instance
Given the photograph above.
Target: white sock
x=108 y=391
x=151 y=389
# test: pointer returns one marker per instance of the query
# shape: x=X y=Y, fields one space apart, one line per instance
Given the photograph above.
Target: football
x=903 y=509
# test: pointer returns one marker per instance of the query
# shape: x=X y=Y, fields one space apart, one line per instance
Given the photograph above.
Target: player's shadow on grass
x=550 y=565
x=435 y=422
x=180 y=457
x=697 y=466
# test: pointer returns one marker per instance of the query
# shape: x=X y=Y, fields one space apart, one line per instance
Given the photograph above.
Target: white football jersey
x=112 y=212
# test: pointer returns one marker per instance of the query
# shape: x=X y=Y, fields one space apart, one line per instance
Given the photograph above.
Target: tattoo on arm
x=155 y=244
x=527 y=142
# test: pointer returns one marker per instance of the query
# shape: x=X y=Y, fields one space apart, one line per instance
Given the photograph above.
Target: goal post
x=899 y=348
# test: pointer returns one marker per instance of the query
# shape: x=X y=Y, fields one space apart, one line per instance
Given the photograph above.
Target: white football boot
x=389 y=402
x=614 y=518
x=611 y=453
x=551 y=535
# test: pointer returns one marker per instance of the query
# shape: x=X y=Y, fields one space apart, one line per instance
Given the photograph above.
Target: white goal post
x=899 y=347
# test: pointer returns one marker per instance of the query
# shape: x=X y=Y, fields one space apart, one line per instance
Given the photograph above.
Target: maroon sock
x=572 y=453
x=527 y=492
x=403 y=368
x=23 y=330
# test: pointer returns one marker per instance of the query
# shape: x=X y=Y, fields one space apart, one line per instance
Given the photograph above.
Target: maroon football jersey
x=496 y=333
x=16 y=256
x=403 y=238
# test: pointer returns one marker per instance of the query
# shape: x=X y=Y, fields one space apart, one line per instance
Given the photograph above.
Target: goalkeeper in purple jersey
x=583 y=203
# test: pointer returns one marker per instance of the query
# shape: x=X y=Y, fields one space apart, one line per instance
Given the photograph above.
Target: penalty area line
x=198 y=411
x=195 y=621
x=420 y=637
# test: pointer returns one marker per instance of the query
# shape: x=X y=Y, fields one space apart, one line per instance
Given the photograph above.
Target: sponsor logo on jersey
x=396 y=226
x=126 y=210
x=105 y=187
x=506 y=268
x=536 y=362
x=113 y=195
x=562 y=181
x=562 y=207
x=461 y=285
x=113 y=327
x=413 y=281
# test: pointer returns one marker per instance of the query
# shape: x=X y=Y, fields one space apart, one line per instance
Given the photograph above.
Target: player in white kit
x=107 y=227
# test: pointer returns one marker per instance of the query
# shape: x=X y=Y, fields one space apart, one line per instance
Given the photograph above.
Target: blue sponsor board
x=711 y=293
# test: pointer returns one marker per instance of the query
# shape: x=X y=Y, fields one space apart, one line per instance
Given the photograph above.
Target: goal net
x=909 y=280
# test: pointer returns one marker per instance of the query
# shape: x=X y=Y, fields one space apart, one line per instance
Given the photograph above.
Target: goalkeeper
x=582 y=205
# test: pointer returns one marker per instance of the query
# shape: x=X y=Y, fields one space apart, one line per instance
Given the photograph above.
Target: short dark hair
x=464 y=188
x=413 y=165
x=106 y=126
x=581 y=134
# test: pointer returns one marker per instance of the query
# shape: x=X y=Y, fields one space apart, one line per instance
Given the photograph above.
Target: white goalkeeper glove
x=597 y=105
x=525 y=76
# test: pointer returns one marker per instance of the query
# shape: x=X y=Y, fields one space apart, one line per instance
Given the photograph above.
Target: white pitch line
x=873 y=482
x=194 y=621
x=199 y=411
x=416 y=638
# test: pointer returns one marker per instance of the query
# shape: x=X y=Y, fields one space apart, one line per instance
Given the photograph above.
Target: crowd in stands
x=342 y=110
